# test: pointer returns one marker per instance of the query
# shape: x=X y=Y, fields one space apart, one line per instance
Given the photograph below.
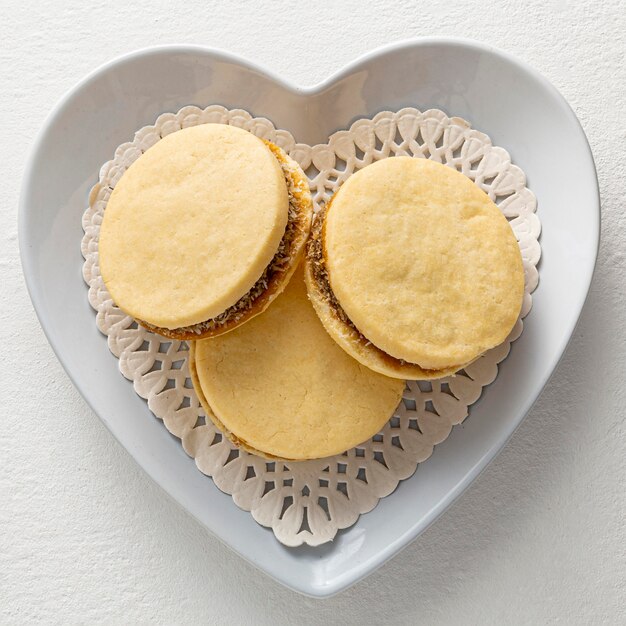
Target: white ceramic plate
x=509 y=101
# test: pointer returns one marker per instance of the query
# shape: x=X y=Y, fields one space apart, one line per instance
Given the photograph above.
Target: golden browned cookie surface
x=192 y=225
x=423 y=262
x=282 y=386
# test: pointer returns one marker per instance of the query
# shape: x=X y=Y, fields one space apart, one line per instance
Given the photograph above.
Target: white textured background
x=85 y=537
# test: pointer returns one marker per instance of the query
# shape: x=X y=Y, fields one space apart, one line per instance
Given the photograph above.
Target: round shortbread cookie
x=279 y=386
x=192 y=224
x=423 y=263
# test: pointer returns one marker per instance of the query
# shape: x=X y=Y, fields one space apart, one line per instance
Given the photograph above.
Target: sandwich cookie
x=413 y=270
x=203 y=231
x=280 y=387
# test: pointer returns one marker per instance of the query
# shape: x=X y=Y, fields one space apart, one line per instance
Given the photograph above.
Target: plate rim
x=586 y=275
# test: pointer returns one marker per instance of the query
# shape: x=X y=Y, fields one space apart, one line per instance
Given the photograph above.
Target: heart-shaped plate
x=514 y=105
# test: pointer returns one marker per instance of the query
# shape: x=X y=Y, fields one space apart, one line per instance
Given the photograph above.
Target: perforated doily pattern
x=308 y=502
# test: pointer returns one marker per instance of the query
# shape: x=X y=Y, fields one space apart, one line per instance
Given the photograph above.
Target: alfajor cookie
x=413 y=270
x=280 y=387
x=203 y=231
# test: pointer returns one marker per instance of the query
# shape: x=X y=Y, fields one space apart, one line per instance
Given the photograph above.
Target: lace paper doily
x=308 y=502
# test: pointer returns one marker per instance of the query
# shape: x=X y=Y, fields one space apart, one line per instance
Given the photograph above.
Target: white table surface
x=86 y=537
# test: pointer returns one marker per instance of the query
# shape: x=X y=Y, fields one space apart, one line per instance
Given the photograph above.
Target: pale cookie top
x=423 y=262
x=192 y=224
x=283 y=386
